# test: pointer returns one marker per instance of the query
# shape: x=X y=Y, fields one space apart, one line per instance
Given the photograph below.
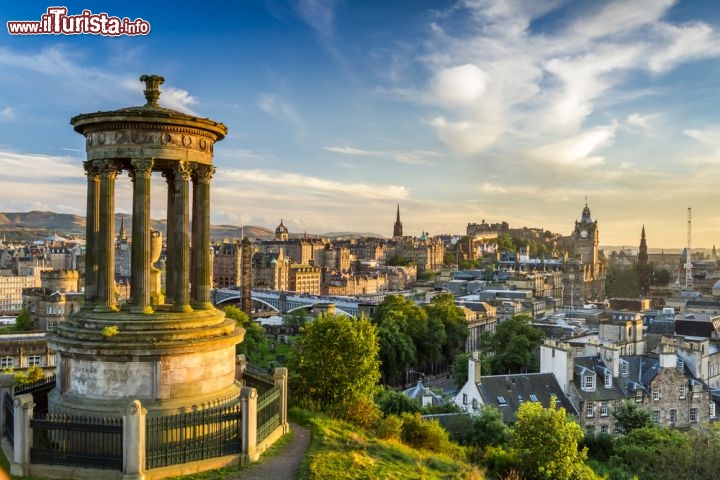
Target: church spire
x=644 y=270
x=397 y=228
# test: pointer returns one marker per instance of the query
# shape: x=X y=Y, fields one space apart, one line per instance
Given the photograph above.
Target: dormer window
x=608 y=380
x=624 y=368
x=638 y=395
x=588 y=382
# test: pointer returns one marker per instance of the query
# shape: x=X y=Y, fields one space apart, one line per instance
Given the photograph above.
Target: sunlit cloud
x=415 y=157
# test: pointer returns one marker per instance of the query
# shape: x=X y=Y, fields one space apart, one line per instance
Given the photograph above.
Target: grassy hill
x=340 y=450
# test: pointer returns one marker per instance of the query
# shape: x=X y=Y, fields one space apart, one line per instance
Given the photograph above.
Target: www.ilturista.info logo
x=57 y=22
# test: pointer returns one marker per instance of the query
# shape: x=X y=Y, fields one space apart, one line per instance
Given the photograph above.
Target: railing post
x=7 y=382
x=23 y=435
x=281 y=380
x=134 y=441
x=248 y=400
x=240 y=364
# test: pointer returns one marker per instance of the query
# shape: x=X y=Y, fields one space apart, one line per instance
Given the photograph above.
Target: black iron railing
x=90 y=442
x=268 y=413
x=9 y=406
x=257 y=379
x=190 y=436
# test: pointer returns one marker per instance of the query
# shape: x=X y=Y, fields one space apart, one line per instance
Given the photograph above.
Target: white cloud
x=415 y=157
x=576 y=151
x=460 y=86
x=709 y=136
x=276 y=107
x=642 y=121
x=7 y=113
x=177 y=99
x=297 y=182
x=467 y=136
x=492 y=188
x=318 y=14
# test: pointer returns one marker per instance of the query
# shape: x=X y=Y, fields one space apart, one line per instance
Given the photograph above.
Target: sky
x=339 y=111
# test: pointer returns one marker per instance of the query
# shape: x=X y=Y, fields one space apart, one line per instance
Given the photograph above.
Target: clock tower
x=586 y=239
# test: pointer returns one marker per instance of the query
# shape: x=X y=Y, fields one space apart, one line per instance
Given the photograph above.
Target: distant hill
x=26 y=226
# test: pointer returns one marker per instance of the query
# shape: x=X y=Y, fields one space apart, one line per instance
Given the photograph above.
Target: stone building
x=584 y=273
x=270 y=271
x=55 y=301
x=11 y=292
x=304 y=279
x=227 y=265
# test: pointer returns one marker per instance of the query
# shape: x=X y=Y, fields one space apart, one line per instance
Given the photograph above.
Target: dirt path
x=283 y=464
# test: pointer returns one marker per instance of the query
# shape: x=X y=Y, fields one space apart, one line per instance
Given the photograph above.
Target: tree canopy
x=335 y=362
x=255 y=344
x=630 y=416
x=513 y=346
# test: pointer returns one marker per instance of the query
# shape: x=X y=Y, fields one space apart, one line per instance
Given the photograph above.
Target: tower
x=585 y=274
x=247 y=282
x=397 y=228
x=643 y=268
x=281 y=232
x=168 y=356
x=586 y=239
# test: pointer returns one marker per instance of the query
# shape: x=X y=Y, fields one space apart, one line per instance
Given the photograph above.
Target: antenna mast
x=688 y=259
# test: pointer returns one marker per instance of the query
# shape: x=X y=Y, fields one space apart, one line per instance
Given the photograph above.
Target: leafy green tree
x=334 y=362
x=426 y=334
x=546 y=443
x=296 y=318
x=397 y=349
x=513 y=346
x=254 y=344
x=653 y=452
x=630 y=416
x=23 y=322
x=660 y=277
x=460 y=369
x=621 y=281
x=442 y=307
x=392 y=402
x=487 y=429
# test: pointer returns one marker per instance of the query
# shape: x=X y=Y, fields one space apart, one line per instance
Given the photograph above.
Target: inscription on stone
x=111 y=379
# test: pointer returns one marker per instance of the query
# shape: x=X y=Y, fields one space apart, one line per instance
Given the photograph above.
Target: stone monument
x=170 y=355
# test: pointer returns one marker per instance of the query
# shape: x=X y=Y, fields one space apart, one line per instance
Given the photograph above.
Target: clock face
x=583 y=233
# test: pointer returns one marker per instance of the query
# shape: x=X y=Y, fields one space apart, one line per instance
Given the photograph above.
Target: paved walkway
x=284 y=463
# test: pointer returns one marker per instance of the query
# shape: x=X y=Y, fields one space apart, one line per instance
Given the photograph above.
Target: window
x=683 y=391
x=656 y=393
x=638 y=395
x=693 y=415
x=501 y=400
x=590 y=409
x=588 y=382
x=533 y=397
x=590 y=429
x=6 y=362
x=474 y=404
x=673 y=416
x=712 y=409
x=608 y=380
x=464 y=398
x=50 y=325
x=603 y=409
x=604 y=429
x=656 y=416
x=33 y=360
x=624 y=368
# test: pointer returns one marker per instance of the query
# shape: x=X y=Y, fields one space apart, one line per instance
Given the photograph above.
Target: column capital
x=108 y=169
x=203 y=173
x=183 y=170
x=141 y=166
x=91 y=168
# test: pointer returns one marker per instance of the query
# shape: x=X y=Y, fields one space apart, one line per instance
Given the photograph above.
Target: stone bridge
x=284 y=302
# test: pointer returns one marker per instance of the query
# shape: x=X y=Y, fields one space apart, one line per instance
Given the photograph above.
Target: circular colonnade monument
x=168 y=351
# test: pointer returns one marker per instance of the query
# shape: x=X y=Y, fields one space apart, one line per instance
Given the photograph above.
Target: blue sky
x=339 y=110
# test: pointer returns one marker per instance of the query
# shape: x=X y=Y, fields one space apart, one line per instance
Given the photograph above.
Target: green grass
x=339 y=450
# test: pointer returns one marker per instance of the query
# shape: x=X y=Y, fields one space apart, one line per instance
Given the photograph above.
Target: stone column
x=248 y=400
x=92 y=228
x=22 y=436
x=140 y=261
x=7 y=386
x=201 y=233
x=281 y=380
x=170 y=237
x=181 y=243
x=106 y=238
x=134 y=441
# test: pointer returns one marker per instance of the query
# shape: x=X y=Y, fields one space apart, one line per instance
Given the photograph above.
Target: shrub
x=389 y=427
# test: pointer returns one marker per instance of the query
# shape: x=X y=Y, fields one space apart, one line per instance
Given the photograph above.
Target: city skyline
x=338 y=111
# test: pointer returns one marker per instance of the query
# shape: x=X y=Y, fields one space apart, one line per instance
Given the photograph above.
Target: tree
x=513 y=346
x=426 y=335
x=460 y=369
x=395 y=403
x=335 y=362
x=487 y=429
x=621 y=281
x=254 y=345
x=630 y=416
x=653 y=452
x=296 y=318
x=397 y=350
x=442 y=307
x=23 y=322
x=546 y=443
